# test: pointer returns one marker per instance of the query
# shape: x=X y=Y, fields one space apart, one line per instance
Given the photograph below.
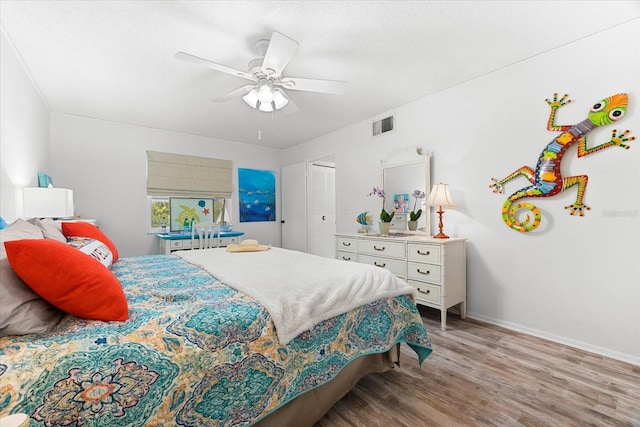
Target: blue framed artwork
x=257 y=195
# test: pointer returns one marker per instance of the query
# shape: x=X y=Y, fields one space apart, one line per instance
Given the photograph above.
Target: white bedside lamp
x=441 y=197
x=48 y=202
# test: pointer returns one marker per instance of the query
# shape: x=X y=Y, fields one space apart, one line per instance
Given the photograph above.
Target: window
x=158 y=208
x=177 y=175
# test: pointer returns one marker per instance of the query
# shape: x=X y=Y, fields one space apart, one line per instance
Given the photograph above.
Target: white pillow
x=94 y=248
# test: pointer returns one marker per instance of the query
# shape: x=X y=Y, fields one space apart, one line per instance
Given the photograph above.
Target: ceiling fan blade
x=241 y=91
x=335 y=87
x=214 y=66
x=281 y=49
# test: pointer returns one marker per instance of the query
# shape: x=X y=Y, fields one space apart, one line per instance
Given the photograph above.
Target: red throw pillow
x=69 y=279
x=85 y=229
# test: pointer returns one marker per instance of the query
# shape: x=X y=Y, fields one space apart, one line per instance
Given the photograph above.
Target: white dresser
x=435 y=267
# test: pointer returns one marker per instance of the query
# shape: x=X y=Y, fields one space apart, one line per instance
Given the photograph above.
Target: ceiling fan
x=267 y=90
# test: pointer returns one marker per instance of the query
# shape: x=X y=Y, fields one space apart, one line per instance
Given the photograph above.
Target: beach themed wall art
x=257 y=195
x=181 y=208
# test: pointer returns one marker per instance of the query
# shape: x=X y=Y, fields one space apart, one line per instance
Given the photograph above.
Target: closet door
x=294 y=207
x=322 y=197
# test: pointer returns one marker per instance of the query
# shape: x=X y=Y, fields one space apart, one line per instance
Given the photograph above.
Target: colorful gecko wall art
x=546 y=180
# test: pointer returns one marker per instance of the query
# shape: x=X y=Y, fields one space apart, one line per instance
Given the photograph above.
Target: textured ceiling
x=114 y=60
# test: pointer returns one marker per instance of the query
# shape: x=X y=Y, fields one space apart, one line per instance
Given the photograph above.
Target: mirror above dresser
x=403 y=172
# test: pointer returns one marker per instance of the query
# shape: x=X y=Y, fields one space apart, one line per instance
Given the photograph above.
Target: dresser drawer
x=396 y=266
x=178 y=244
x=346 y=244
x=423 y=272
x=420 y=252
x=346 y=256
x=383 y=248
x=225 y=241
x=426 y=292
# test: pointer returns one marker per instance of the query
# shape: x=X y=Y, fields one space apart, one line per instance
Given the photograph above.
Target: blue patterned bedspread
x=194 y=352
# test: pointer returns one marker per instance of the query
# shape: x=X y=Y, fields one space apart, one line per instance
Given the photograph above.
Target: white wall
x=105 y=164
x=574 y=279
x=24 y=132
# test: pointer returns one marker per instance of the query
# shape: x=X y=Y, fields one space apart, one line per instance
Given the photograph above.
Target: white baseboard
x=624 y=357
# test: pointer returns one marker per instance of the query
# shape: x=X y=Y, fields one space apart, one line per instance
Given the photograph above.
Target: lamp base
x=440 y=234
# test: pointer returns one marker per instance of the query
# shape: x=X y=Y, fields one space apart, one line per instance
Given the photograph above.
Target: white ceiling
x=115 y=60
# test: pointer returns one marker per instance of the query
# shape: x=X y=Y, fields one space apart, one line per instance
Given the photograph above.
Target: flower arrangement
x=418 y=195
x=384 y=215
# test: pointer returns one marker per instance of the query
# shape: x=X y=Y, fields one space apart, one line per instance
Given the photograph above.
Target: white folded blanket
x=297 y=289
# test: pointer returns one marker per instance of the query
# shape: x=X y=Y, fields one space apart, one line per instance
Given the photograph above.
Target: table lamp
x=441 y=197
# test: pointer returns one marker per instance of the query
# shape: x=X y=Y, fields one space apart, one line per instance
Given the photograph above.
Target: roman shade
x=171 y=174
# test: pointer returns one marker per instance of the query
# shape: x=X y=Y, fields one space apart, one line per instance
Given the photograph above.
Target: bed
x=197 y=352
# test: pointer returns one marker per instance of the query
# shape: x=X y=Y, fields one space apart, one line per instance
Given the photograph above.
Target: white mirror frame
x=408 y=157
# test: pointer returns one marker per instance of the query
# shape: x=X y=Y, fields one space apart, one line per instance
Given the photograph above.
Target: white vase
x=413 y=225
x=384 y=228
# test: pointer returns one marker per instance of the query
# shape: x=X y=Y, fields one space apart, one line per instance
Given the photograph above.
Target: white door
x=322 y=200
x=294 y=207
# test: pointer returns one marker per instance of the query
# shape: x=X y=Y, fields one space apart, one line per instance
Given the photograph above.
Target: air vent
x=385 y=125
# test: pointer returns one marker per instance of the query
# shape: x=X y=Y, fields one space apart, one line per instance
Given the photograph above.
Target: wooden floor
x=484 y=375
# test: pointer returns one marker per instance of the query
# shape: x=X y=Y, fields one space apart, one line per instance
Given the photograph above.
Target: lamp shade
x=440 y=196
x=251 y=98
x=48 y=202
x=279 y=100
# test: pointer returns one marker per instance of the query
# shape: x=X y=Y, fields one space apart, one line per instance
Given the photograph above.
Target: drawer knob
x=346 y=258
x=377 y=248
x=422 y=272
x=378 y=265
x=423 y=253
x=346 y=244
x=428 y=291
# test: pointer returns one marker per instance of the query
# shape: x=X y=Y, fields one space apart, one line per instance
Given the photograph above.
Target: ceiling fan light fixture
x=251 y=98
x=264 y=107
x=265 y=93
x=279 y=100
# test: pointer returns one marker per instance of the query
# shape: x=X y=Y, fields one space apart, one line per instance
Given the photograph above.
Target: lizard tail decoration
x=546 y=180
